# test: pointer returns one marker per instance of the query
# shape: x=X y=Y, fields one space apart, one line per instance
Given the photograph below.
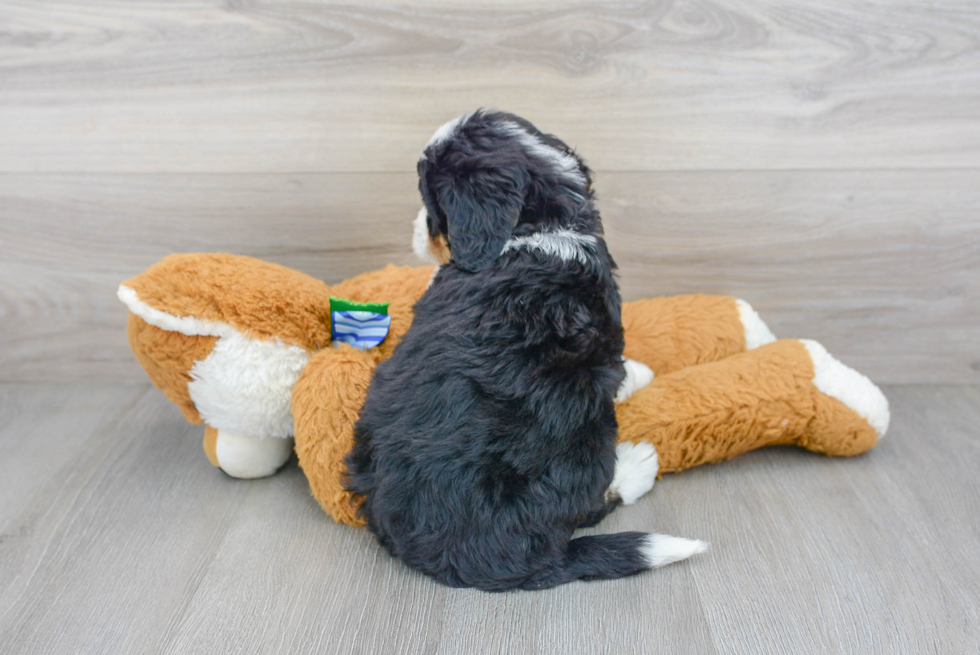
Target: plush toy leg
x=673 y=332
x=787 y=392
x=327 y=401
x=245 y=457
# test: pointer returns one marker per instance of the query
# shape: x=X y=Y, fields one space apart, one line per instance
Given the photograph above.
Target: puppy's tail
x=609 y=556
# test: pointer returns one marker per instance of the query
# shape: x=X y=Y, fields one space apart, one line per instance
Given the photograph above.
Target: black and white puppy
x=489 y=436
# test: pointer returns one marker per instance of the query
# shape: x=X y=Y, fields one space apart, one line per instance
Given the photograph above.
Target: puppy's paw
x=636 y=471
x=637 y=376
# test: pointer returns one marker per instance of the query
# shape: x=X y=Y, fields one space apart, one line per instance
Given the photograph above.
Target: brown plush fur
x=709 y=401
x=697 y=415
x=259 y=298
x=167 y=357
x=673 y=332
x=327 y=400
x=762 y=397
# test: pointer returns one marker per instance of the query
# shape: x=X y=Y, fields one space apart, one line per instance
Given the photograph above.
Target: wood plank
x=883 y=267
x=872 y=554
x=127 y=540
x=115 y=538
x=661 y=611
x=287 y=579
x=33 y=449
x=321 y=86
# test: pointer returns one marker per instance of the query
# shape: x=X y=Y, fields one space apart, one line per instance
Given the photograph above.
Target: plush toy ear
x=481 y=209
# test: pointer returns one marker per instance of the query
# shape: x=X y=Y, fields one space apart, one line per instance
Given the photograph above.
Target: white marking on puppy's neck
x=564 y=244
x=565 y=164
x=447 y=130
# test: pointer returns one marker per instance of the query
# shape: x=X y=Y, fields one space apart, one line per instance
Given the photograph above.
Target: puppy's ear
x=481 y=207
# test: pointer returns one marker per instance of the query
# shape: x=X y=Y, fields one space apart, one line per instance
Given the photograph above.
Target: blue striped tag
x=361 y=329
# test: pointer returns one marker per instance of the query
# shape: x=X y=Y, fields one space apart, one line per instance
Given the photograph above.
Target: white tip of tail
x=662 y=549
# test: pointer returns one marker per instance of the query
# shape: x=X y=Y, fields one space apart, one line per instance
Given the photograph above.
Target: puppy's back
x=491 y=420
x=489 y=435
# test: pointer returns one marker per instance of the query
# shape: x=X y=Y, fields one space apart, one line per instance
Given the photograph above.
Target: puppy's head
x=486 y=173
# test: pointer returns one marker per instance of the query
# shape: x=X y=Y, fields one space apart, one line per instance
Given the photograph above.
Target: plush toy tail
x=611 y=556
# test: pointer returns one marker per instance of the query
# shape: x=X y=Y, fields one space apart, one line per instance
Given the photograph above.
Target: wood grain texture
x=316 y=86
x=883 y=267
x=116 y=535
x=820 y=160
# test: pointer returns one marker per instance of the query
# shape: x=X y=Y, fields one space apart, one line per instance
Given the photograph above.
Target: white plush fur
x=638 y=375
x=420 y=238
x=248 y=457
x=244 y=386
x=564 y=163
x=848 y=386
x=564 y=244
x=165 y=321
x=757 y=333
x=636 y=471
x=662 y=549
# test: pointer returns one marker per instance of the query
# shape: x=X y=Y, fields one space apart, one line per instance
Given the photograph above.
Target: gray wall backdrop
x=821 y=160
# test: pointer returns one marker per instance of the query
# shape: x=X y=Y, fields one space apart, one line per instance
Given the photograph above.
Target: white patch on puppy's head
x=447 y=130
x=564 y=164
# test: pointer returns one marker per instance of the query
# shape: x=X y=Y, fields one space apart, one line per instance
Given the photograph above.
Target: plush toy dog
x=245 y=347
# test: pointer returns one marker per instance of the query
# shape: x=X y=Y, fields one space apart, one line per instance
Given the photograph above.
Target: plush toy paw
x=636 y=471
x=246 y=457
x=848 y=386
x=638 y=375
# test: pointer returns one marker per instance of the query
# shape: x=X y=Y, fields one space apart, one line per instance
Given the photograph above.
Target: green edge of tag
x=341 y=305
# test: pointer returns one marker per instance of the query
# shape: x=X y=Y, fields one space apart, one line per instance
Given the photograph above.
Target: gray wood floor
x=117 y=536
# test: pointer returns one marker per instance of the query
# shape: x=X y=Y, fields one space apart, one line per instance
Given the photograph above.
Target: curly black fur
x=489 y=435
